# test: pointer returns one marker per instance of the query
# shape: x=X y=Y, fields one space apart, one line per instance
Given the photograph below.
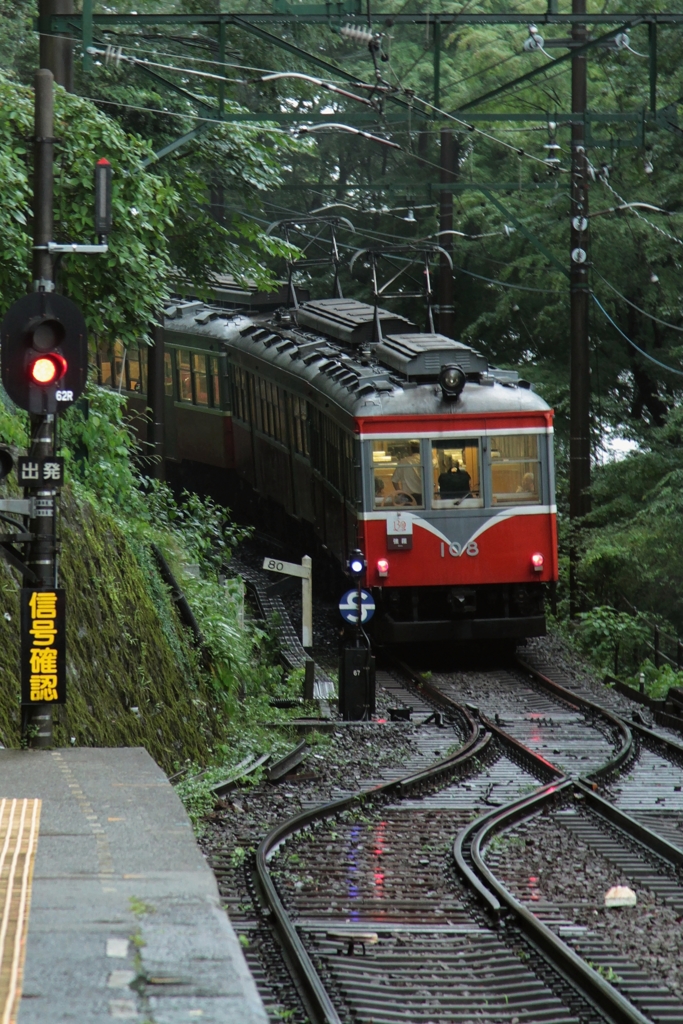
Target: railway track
x=396 y=903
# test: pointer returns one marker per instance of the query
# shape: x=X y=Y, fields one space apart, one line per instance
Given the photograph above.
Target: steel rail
x=631 y=826
x=566 y=961
x=583 y=704
x=468 y=846
x=315 y=997
x=587 y=786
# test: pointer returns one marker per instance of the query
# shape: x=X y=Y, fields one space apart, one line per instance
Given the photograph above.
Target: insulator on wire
x=358 y=34
x=535 y=40
x=112 y=55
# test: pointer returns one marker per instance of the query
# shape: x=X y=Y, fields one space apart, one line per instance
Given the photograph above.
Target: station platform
x=105 y=891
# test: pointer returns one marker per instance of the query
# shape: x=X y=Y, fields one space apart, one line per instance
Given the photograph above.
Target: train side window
x=133 y=369
x=515 y=470
x=184 y=365
x=168 y=374
x=397 y=474
x=215 y=382
x=201 y=389
x=300 y=425
x=104 y=364
x=144 y=360
x=118 y=365
x=456 y=473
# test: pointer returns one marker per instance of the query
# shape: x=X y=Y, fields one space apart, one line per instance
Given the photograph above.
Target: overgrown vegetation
x=135 y=676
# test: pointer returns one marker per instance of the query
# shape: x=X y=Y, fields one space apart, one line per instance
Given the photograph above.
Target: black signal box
x=44 y=356
x=356 y=684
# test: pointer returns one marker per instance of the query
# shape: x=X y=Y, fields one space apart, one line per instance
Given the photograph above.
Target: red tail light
x=537 y=561
x=383 y=566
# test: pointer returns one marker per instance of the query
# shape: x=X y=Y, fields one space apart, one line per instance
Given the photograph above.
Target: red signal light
x=537 y=561
x=383 y=566
x=48 y=369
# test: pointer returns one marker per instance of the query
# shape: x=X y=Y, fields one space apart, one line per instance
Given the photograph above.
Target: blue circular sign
x=348 y=606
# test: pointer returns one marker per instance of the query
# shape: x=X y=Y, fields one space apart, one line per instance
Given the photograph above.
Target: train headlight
x=451 y=380
x=537 y=561
x=383 y=566
x=356 y=564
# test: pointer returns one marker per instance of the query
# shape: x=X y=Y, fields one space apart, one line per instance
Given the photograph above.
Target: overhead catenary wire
x=333 y=87
x=646 y=355
x=651 y=316
x=634 y=210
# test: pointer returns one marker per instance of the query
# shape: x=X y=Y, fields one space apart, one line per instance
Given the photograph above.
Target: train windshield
x=515 y=470
x=455 y=473
x=397 y=474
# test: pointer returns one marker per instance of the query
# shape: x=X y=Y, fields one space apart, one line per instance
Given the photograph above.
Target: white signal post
x=305 y=572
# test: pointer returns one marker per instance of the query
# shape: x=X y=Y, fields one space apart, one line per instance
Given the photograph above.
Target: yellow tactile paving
x=19 y=821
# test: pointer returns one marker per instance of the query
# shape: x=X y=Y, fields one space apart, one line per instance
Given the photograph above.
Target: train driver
x=455 y=482
x=407 y=478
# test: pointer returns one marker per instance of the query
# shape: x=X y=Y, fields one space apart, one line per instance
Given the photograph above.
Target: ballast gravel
x=544 y=863
x=343 y=761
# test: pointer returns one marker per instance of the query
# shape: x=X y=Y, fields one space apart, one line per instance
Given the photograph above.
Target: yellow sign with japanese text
x=43 y=647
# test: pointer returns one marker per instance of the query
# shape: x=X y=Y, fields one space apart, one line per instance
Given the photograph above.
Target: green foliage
x=99 y=447
x=120 y=291
x=657 y=680
x=203 y=526
x=602 y=631
x=630 y=548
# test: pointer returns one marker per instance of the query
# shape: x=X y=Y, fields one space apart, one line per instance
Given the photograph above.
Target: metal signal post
x=579 y=451
x=44 y=368
x=37 y=718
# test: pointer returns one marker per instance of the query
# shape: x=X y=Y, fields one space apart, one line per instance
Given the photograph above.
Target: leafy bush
x=603 y=632
x=657 y=680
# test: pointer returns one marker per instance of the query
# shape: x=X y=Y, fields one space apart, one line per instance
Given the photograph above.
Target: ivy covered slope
x=134 y=675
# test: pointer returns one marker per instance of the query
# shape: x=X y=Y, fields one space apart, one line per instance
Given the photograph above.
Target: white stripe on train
x=507 y=513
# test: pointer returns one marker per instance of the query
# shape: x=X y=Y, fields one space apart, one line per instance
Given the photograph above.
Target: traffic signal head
x=356 y=564
x=103 y=220
x=44 y=356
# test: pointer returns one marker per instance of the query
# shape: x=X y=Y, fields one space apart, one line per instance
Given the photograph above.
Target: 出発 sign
x=43 y=649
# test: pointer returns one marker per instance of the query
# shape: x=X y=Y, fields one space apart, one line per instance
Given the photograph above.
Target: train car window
x=332 y=453
x=255 y=401
x=515 y=470
x=455 y=473
x=144 y=360
x=397 y=474
x=118 y=380
x=299 y=413
x=215 y=383
x=201 y=386
x=168 y=374
x=183 y=363
x=348 y=465
x=133 y=382
x=104 y=364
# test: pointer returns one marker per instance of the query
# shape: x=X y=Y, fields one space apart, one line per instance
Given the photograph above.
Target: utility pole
x=449 y=165
x=37 y=718
x=579 y=444
x=56 y=51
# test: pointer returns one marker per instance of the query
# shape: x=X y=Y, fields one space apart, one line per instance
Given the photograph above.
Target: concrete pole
x=57 y=51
